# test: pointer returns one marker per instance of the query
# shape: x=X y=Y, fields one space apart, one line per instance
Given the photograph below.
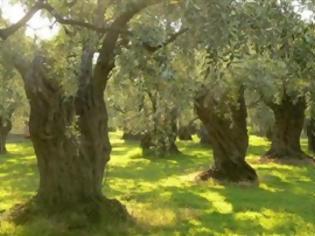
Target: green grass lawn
x=165 y=199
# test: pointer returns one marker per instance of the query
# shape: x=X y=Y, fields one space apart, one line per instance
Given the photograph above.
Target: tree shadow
x=280 y=203
x=18 y=174
x=159 y=190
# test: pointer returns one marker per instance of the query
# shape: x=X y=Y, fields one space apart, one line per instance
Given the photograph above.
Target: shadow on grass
x=18 y=174
x=282 y=204
x=165 y=200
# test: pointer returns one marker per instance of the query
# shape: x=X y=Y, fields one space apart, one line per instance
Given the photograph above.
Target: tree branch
x=42 y=5
x=64 y=21
x=171 y=39
x=105 y=62
x=6 y=32
x=118 y=109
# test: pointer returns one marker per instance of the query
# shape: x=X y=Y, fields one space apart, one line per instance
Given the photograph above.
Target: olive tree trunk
x=70 y=133
x=228 y=137
x=71 y=161
x=5 y=128
x=289 y=120
x=310 y=130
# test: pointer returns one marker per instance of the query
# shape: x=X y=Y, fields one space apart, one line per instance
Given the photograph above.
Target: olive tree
x=69 y=131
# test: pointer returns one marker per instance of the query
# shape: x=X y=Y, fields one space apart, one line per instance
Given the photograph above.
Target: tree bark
x=289 y=120
x=5 y=128
x=70 y=134
x=228 y=137
x=310 y=130
x=71 y=161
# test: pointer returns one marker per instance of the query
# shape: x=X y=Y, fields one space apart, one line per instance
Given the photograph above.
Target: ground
x=165 y=199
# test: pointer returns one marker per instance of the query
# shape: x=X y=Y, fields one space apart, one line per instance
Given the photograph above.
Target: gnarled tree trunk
x=228 y=137
x=289 y=120
x=71 y=162
x=5 y=128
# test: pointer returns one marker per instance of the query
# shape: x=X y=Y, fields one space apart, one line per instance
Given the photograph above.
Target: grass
x=164 y=198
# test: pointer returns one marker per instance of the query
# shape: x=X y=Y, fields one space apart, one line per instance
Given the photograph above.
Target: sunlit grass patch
x=165 y=199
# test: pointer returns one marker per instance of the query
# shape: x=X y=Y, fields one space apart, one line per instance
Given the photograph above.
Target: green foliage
x=149 y=85
x=11 y=93
x=263 y=45
x=260 y=118
x=281 y=59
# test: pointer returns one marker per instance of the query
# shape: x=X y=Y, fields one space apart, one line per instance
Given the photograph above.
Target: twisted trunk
x=71 y=162
x=5 y=128
x=289 y=120
x=229 y=139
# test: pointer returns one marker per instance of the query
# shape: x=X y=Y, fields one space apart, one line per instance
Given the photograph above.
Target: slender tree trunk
x=289 y=121
x=204 y=137
x=310 y=129
x=229 y=139
x=5 y=128
x=172 y=131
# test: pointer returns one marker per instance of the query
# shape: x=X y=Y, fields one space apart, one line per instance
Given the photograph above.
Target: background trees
x=219 y=94
x=150 y=99
x=164 y=57
x=281 y=72
x=11 y=97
